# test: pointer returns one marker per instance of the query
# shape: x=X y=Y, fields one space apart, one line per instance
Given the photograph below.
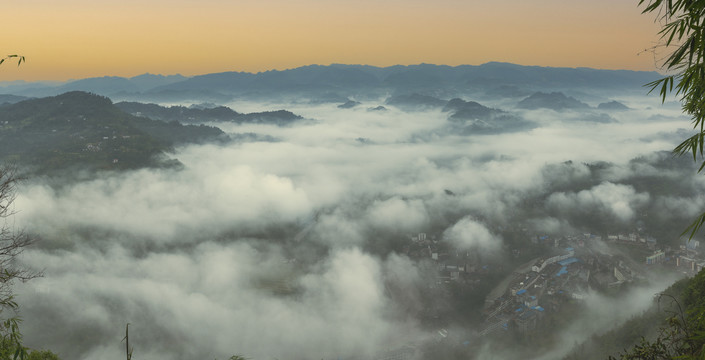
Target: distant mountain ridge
x=11 y=99
x=322 y=79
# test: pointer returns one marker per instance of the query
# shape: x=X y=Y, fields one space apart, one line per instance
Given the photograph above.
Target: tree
x=683 y=21
x=684 y=28
x=683 y=336
x=12 y=243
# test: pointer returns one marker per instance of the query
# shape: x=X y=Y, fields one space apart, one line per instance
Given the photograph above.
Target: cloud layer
x=292 y=249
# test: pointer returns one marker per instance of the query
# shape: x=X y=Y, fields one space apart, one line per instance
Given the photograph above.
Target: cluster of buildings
x=576 y=267
x=688 y=258
x=551 y=281
x=92 y=147
x=452 y=265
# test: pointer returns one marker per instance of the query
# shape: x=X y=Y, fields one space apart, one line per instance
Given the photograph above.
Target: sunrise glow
x=81 y=38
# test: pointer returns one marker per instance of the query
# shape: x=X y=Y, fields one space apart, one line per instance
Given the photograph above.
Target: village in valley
x=577 y=265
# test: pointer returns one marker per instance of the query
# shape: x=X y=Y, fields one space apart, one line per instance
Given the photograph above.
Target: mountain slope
x=78 y=128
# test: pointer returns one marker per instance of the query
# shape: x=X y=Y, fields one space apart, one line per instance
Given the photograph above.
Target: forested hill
x=673 y=326
x=209 y=114
x=79 y=129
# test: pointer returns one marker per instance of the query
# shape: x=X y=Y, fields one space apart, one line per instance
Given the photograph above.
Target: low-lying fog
x=287 y=249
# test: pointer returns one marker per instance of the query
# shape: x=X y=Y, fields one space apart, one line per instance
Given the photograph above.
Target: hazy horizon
x=108 y=75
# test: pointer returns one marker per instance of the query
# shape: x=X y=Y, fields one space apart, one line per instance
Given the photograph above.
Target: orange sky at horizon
x=75 y=39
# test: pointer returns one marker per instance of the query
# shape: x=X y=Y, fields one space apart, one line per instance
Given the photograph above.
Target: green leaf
x=694 y=227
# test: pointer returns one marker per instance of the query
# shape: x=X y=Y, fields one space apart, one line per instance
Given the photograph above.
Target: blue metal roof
x=521 y=291
x=563 y=270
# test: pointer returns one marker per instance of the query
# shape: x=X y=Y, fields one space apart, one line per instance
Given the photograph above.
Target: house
x=658 y=257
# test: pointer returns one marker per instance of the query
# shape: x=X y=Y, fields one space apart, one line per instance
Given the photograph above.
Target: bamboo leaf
x=694 y=227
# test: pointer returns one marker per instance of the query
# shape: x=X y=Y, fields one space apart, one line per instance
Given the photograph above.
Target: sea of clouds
x=187 y=257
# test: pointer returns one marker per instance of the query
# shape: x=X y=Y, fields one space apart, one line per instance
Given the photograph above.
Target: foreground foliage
x=12 y=243
x=684 y=27
x=683 y=335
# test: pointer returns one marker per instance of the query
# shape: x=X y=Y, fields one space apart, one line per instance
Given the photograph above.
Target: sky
x=74 y=39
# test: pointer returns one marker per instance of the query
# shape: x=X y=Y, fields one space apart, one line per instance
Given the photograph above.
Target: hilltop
x=554 y=101
x=87 y=130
